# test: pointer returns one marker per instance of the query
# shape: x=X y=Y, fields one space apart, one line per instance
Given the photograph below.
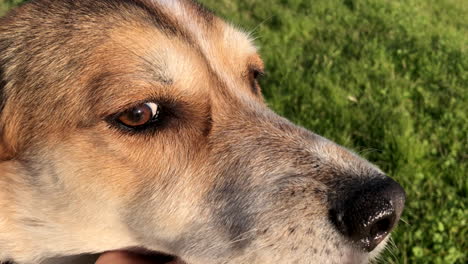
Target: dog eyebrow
x=100 y=87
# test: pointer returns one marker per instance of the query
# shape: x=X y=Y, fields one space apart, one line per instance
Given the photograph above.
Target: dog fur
x=219 y=179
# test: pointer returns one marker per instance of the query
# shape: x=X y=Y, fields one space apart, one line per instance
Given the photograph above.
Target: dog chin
x=374 y=254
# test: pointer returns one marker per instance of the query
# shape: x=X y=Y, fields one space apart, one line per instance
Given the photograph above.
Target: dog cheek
x=232 y=202
x=39 y=171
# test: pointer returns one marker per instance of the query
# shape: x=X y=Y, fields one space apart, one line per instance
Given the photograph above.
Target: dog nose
x=370 y=212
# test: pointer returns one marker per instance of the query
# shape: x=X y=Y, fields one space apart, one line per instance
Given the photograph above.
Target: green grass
x=387 y=78
x=7 y=4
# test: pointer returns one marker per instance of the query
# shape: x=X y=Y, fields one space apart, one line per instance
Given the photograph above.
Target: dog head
x=140 y=124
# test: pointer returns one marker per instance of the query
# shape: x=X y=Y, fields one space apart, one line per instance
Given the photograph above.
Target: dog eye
x=140 y=115
x=254 y=76
x=257 y=74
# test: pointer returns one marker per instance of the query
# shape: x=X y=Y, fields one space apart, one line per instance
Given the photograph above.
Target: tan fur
x=213 y=185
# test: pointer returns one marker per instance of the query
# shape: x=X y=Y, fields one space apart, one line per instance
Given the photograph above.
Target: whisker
x=404 y=221
x=254 y=30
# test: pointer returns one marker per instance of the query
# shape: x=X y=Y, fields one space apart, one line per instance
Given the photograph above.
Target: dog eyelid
x=154 y=108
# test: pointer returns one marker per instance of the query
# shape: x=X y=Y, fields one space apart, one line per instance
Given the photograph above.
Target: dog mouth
x=144 y=255
x=152 y=256
x=156 y=257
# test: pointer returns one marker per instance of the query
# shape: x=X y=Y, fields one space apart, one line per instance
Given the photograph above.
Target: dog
x=140 y=125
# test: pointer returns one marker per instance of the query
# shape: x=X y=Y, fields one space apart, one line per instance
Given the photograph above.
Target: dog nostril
x=381 y=227
x=370 y=212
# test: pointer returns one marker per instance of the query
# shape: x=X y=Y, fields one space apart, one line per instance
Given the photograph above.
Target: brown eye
x=140 y=115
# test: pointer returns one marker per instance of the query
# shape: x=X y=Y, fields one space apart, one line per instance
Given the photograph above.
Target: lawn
x=386 y=78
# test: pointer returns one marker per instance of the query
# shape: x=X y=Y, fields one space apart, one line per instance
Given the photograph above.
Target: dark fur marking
x=233 y=199
x=159 y=19
x=37 y=170
x=33 y=222
x=203 y=11
x=208 y=122
x=234 y=212
x=2 y=89
x=33 y=170
x=3 y=46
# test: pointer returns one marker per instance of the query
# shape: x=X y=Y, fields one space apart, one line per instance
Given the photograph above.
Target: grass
x=7 y=4
x=387 y=78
